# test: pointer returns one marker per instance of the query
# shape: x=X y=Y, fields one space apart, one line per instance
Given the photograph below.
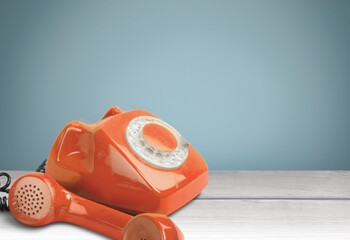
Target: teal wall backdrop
x=251 y=84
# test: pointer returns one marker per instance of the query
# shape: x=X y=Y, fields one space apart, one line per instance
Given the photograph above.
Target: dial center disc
x=159 y=137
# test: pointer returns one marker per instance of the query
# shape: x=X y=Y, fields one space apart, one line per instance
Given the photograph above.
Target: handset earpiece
x=36 y=199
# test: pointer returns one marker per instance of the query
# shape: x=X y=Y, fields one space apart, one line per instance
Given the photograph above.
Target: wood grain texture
x=265 y=219
x=278 y=185
x=243 y=205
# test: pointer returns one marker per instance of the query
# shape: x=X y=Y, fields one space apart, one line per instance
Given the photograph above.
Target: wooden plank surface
x=242 y=205
x=278 y=185
x=265 y=219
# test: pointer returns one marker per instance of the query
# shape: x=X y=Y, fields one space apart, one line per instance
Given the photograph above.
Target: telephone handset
x=36 y=199
x=131 y=161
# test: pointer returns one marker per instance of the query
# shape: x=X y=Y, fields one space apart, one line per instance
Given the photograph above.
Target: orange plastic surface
x=96 y=162
x=159 y=137
x=36 y=199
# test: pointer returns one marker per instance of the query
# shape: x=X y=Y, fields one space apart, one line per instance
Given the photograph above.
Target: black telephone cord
x=3 y=200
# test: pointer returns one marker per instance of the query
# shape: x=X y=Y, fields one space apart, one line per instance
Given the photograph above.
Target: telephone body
x=131 y=161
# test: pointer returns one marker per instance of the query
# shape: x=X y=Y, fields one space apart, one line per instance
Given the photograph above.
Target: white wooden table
x=241 y=205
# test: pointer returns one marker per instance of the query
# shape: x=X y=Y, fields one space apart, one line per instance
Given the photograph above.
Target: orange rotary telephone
x=131 y=161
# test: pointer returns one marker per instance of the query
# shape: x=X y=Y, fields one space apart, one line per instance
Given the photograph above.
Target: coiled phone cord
x=5 y=188
x=3 y=200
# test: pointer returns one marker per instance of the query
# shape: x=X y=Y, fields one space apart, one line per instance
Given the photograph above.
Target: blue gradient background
x=251 y=84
